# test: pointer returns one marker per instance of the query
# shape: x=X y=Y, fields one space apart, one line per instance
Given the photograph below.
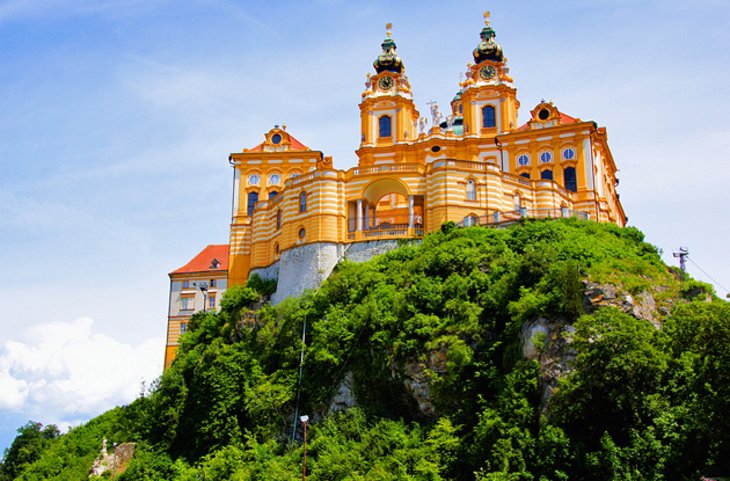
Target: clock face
x=386 y=82
x=274 y=179
x=253 y=179
x=487 y=72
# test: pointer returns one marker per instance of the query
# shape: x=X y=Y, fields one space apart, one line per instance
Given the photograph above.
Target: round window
x=568 y=154
x=253 y=179
x=276 y=139
x=435 y=149
x=543 y=114
x=274 y=178
x=523 y=159
x=546 y=157
x=302 y=233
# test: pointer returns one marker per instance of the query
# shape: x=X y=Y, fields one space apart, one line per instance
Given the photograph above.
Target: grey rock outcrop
x=344 y=398
x=643 y=306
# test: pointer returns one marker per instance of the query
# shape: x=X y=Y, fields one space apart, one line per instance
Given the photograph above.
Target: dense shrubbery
x=640 y=403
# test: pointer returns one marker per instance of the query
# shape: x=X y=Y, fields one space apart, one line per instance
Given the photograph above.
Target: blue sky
x=117 y=118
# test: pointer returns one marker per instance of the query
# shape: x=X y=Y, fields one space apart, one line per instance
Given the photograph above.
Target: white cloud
x=61 y=372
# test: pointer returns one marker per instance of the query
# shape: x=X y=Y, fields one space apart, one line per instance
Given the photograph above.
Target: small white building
x=196 y=286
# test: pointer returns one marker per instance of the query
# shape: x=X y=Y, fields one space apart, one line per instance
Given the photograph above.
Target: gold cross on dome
x=486 y=17
x=388 y=28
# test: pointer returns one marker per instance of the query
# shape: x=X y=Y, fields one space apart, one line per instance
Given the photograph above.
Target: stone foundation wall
x=307 y=266
x=271 y=272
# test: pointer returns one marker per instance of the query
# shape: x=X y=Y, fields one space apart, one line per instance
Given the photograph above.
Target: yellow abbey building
x=295 y=215
x=475 y=165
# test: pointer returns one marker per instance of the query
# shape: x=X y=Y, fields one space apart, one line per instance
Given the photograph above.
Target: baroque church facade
x=295 y=215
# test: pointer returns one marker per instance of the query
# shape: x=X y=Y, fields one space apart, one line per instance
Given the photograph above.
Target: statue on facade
x=450 y=119
x=422 y=123
x=435 y=113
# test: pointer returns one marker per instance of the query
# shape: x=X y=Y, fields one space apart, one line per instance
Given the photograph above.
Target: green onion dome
x=488 y=49
x=388 y=60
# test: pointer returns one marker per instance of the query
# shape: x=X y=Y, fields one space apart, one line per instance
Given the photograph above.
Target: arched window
x=526 y=175
x=278 y=219
x=489 y=117
x=518 y=201
x=471 y=219
x=570 y=180
x=546 y=174
x=303 y=202
x=471 y=190
x=384 y=126
x=253 y=197
x=273 y=194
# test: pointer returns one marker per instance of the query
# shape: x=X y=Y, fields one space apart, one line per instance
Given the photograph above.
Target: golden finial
x=486 y=17
x=388 y=28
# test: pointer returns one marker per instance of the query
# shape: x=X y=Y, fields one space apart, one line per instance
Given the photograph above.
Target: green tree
x=26 y=448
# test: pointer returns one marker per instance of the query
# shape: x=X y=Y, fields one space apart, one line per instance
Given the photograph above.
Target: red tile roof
x=294 y=145
x=203 y=262
x=564 y=119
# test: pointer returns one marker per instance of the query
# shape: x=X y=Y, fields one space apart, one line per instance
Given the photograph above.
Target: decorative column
x=410 y=212
x=358 y=215
x=367 y=216
x=236 y=191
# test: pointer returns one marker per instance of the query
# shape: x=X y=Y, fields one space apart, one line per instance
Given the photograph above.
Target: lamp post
x=203 y=286
x=305 y=422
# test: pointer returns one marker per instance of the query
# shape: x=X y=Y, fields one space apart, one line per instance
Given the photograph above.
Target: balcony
x=385 y=168
x=511 y=217
x=386 y=231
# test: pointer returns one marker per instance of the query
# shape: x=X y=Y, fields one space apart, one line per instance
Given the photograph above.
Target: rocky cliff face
x=544 y=340
x=114 y=462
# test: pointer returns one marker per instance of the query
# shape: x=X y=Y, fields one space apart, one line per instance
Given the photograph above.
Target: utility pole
x=305 y=423
x=682 y=254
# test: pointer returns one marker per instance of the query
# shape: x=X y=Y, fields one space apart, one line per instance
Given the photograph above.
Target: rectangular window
x=186 y=284
x=183 y=327
x=211 y=302
x=188 y=304
x=213 y=282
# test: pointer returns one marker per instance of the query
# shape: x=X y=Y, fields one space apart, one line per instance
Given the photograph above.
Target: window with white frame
x=187 y=304
x=471 y=190
x=470 y=220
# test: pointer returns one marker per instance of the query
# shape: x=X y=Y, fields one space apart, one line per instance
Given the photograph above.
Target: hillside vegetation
x=551 y=350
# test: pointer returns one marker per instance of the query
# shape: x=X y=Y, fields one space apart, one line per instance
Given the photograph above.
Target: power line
x=708 y=275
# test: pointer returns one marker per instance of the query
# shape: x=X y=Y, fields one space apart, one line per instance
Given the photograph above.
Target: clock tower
x=489 y=96
x=387 y=112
